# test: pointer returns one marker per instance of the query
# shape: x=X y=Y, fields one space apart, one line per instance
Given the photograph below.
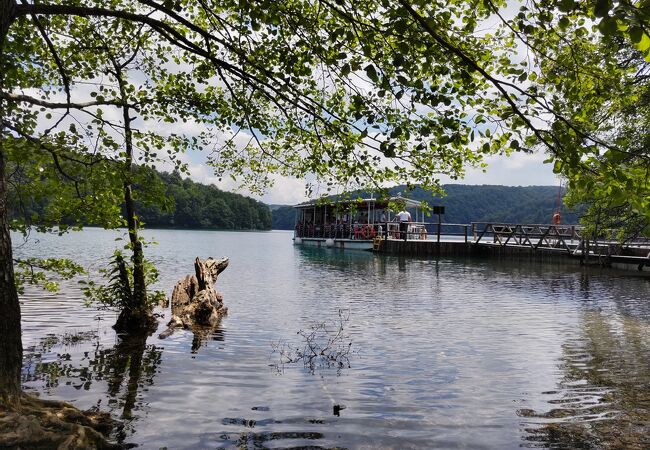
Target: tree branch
x=57 y=105
x=59 y=65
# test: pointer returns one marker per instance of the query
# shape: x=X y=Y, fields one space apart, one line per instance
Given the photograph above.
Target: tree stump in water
x=195 y=302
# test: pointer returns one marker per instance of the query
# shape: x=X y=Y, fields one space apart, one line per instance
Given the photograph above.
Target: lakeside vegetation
x=195 y=205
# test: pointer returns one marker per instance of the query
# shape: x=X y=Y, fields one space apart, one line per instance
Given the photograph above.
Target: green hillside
x=197 y=205
x=193 y=205
x=469 y=203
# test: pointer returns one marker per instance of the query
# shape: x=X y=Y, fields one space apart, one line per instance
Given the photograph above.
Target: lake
x=407 y=353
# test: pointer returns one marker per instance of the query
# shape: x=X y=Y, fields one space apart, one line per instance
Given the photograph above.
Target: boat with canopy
x=355 y=223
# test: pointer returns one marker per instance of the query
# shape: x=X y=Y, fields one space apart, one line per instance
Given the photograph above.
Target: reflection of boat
x=355 y=224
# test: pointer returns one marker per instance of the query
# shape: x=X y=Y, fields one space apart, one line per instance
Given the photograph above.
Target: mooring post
x=439 y=227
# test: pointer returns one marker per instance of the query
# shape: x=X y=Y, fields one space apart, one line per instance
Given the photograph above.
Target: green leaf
x=602 y=7
x=636 y=34
x=566 y=5
x=608 y=26
x=371 y=72
x=564 y=23
x=644 y=43
x=557 y=166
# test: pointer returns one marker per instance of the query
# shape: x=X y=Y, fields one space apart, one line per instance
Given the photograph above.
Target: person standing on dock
x=404 y=219
x=557 y=218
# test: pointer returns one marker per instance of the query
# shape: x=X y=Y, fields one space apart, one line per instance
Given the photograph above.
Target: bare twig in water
x=323 y=345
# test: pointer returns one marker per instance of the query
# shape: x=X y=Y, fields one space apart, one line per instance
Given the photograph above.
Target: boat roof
x=382 y=203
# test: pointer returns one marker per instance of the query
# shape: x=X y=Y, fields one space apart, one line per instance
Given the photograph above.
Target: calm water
x=420 y=353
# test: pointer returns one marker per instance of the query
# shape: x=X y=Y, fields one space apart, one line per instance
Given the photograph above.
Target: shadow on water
x=334 y=258
x=270 y=440
x=124 y=369
x=603 y=399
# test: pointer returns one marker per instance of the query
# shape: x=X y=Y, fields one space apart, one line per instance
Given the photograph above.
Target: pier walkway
x=538 y=241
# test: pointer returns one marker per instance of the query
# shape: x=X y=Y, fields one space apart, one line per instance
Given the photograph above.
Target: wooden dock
x=561 y=243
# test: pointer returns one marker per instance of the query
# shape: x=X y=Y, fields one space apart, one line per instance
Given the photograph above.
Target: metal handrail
x=528 y=235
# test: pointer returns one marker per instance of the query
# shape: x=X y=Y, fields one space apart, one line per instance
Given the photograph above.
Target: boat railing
x=385 y=230
x=339 y=231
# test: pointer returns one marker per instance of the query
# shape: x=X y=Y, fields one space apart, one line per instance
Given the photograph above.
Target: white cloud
x=519 y=169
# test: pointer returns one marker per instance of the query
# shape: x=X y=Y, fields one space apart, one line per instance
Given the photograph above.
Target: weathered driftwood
x=195 y=302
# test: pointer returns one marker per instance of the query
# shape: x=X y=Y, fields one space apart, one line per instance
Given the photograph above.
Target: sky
x=518 y=169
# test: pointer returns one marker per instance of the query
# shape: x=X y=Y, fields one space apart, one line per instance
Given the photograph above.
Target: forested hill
x=205 y=206
x=485 y=203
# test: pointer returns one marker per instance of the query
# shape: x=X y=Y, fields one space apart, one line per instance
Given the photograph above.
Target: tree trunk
x=138 y=315
x=11 y=347
x=7 y=16
x=139 y=285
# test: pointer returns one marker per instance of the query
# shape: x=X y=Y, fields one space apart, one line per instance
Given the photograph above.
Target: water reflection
x=42 y=365
x=336 y=259
x=123 y=370
x=275 y=440
x=204 y=335
x=364 y=266
x=201 y=334
x=282 y=439
x=603 y=400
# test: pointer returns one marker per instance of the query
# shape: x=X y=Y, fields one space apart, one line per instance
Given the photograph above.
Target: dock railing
x=565 y=237
x=426 y=231
x=604 y=249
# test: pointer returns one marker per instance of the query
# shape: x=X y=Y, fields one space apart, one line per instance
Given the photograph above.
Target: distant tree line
x=197 y=205
x=189 y=205
x=485 y=203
